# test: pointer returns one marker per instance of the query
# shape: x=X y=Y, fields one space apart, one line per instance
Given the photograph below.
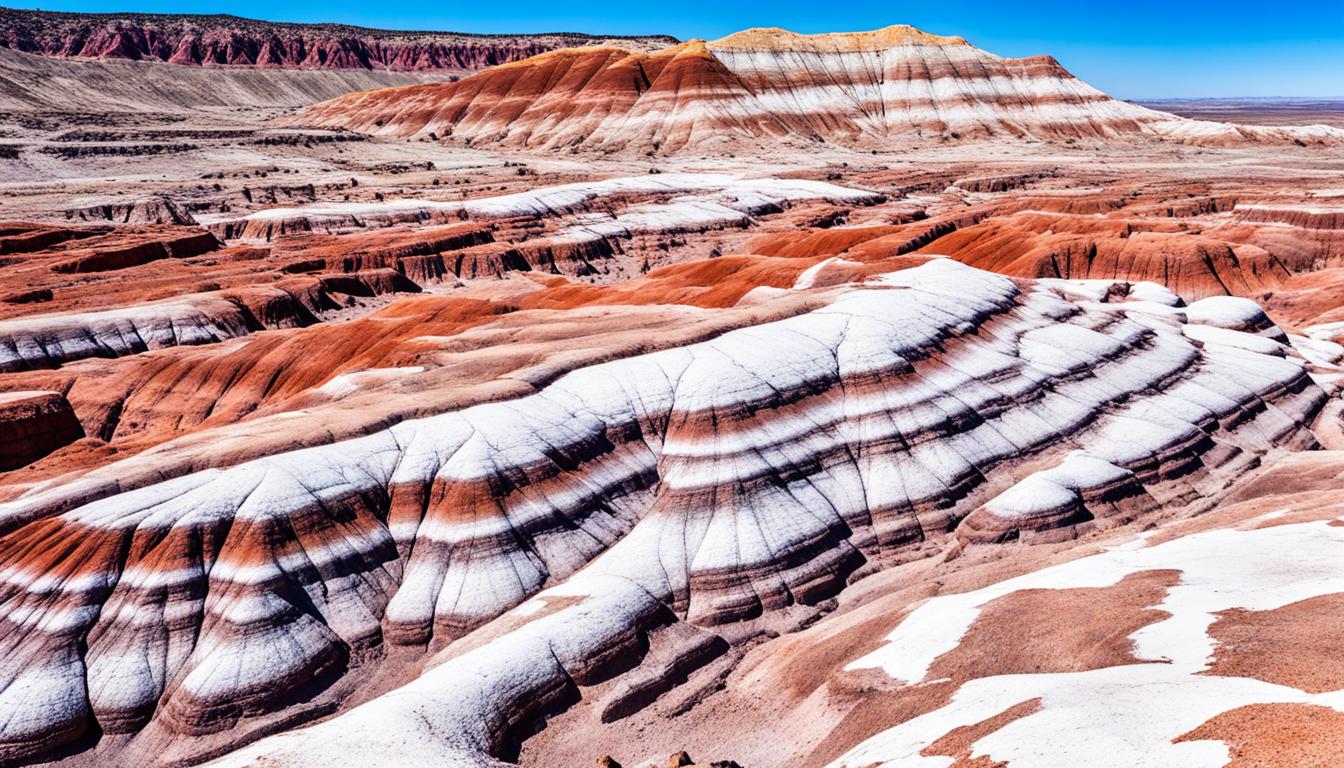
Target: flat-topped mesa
x=776 y=39
x=860 y=89
x=678 y=492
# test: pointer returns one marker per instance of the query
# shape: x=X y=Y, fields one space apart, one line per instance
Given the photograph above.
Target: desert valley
x=774 y=401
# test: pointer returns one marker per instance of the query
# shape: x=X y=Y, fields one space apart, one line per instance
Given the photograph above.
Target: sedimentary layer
x=702 y=487
x=860 y=90
x=230 y=41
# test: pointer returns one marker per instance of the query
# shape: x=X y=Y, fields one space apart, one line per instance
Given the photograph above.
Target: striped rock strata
x=229 y=41
x=625 y=522
x=40 y=341
x=862 y=90
x=691 y=202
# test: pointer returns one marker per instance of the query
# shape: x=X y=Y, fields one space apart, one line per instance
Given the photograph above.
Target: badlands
x=776 y=401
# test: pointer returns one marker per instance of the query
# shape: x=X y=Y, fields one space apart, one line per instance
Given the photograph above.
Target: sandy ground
x=1257 y=111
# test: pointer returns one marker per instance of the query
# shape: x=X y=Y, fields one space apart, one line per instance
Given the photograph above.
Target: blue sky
x=1132 y=49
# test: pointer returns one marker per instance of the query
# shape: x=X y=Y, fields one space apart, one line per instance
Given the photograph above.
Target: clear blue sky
x=1130 y=48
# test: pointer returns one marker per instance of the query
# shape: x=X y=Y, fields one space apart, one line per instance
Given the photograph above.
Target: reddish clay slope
x=860 y=89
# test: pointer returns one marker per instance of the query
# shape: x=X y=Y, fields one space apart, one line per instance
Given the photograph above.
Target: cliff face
x=232 y=41
x=32 y=425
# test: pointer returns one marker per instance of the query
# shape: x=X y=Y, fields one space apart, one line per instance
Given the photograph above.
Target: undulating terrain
x=777 y=401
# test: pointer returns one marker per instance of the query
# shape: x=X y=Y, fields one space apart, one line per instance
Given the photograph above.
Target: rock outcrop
x=33 y=424
x=229 y=41
x=131 y=250
x=84 y=87
x=156 y=210
x=860 y=90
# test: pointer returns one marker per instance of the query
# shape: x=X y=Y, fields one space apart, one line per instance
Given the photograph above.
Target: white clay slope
x=698 y=487
x=758 y=87
x=730 y=199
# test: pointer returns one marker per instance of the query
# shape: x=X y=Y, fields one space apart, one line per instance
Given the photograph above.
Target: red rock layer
x=1305 y=215
x=1082 y=247
x=864 y=89
x=231 y=41
x=1194 y=244
x=131 y=251
x=33 y=424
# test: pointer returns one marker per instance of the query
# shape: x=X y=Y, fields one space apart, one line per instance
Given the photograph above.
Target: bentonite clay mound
x=930 y=443
x=665 y=486
x=373 y=554
x=435 y=524
x=866 y=89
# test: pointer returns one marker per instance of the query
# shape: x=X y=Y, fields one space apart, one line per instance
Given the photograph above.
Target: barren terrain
x=1257 y=111
x=749 y=415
